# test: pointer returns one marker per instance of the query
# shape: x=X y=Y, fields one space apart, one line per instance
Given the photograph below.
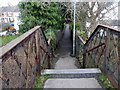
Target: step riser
x=73 y=73
x=74 y=76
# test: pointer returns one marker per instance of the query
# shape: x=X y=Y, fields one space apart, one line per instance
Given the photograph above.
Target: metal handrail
x=98 y=28
x=25 y=55
x=101 y=49
x=81 y=40
x=15 y=42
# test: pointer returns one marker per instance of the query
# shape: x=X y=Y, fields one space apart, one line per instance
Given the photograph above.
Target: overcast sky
x=8 y=2
x=15 y=2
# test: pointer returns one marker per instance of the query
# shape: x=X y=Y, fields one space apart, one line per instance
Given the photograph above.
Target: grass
x=5 y=39
x=105 y=82
x=40 y=81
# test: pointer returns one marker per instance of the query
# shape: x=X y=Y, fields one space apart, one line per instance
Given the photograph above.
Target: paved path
x=65 y=45
x=72 y=83
x=65 y=61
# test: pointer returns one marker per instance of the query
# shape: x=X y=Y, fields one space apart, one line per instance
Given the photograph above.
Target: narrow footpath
x=65 y=61
x=68 y=63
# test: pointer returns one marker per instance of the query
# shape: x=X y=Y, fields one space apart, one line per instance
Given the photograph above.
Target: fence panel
x=23 y=59
x=102 y=51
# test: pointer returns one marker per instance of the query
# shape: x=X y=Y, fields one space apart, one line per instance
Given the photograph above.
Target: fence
x=23 y=59
x=79 y=50
x=102 y=50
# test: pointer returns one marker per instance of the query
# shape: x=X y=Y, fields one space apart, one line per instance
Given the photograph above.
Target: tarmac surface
x=72 y=83
x=65 y=61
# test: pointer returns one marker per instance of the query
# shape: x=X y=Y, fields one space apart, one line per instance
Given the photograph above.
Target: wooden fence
x=22 y=59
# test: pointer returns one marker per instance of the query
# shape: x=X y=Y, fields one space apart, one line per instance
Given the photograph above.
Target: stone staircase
x=72 y=78
x=73 y=73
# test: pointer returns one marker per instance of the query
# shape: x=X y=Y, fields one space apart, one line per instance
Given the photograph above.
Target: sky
x=8 y=2
x=15 y=2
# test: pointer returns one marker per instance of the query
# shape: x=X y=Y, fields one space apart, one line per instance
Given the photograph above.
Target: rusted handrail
x=91 y=49
x=15 y=42
x=81 y=40
x=22 y=59
x=97 y=29
x=5 y=79
x=45 y=51
x=101 y=50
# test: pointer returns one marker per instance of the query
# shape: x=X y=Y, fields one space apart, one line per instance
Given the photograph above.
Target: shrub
x=5 y=27
x=46 y=14
x=105 y=82
x=40 y=81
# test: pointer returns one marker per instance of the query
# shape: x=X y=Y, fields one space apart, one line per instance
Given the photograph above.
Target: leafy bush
x=39 y=83
x=50 y=34
x=77 y=25
x=46 y=14
x=5 y=27
x=80 y=32
x=105 y=81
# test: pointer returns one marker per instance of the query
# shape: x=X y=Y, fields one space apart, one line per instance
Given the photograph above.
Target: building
x=10 y=14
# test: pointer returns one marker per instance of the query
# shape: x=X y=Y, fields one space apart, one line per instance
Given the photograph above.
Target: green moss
x=105 y=82
x=40 y=81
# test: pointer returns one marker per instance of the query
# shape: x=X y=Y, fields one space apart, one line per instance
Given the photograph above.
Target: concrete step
x=72 y=73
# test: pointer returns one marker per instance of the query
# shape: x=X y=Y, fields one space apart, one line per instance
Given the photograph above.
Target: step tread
x=72 y=71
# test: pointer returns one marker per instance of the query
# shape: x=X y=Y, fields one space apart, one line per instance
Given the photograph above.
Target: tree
x=67 y=11
x=89 y=14
x=46 y=14
x=96 y=11
x=6 y=27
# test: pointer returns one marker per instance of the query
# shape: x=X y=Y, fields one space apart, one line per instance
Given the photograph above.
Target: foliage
x=39 y=83
x=46 y=14
x=5 y=27
x=80 y=30
x=50 y=34
x=77 y=25
x=80 y=33
x=90 y=14
x=105 y=81
x=67 y=11
x=6 y=39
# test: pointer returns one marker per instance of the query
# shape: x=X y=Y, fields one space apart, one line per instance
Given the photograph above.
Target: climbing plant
x=46 y=14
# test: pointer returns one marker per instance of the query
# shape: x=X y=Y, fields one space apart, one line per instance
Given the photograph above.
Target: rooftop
x=9 y=9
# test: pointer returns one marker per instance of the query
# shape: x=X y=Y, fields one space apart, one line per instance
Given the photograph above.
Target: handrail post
x=84 y=57
x=119 y=63
x=38 y=52
x=77 y=47
x=106 y=61
x=49 y=53
x=49 y=59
